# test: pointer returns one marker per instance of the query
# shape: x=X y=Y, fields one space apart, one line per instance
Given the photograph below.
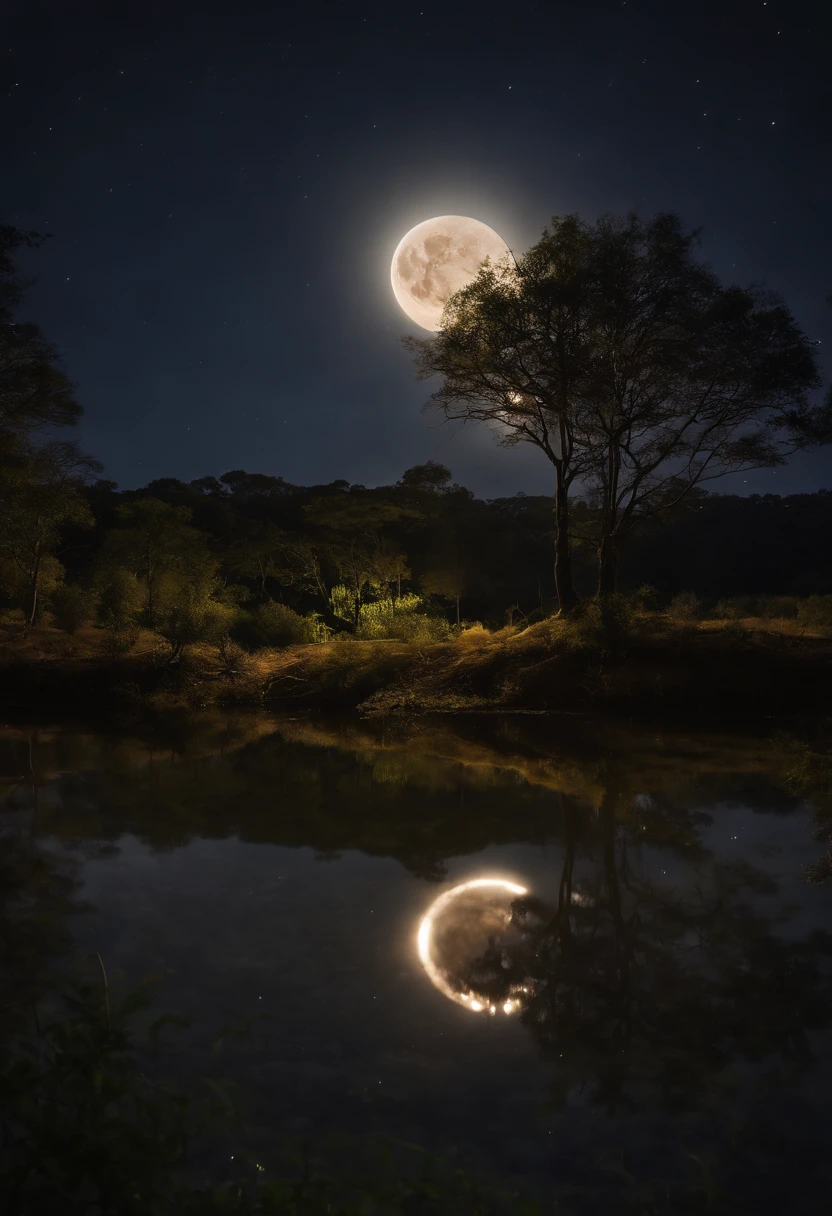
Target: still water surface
x=648 y=979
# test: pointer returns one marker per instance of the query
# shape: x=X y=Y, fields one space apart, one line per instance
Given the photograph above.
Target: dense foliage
x=275 y=563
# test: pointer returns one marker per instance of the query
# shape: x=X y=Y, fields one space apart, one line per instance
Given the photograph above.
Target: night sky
x=226 y=184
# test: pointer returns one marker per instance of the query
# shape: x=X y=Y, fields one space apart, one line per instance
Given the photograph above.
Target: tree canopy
x=35 y=393
x=627 y=362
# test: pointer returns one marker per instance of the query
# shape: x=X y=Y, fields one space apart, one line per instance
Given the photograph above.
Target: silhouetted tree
x=446 y=578
x=257 y=551
x=354 y=525
x=35 y=393
x=630 y=366
x=688 y=381
x=168 y=556
x=643 y=992
x=514 y=352
x=301 y=567
x=428 y=478
x=39 y=500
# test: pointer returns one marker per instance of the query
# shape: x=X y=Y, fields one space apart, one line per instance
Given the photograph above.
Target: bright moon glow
x=437 y=258
x=424 y=942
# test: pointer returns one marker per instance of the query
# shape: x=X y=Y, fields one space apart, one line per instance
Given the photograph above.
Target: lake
x=640 y=989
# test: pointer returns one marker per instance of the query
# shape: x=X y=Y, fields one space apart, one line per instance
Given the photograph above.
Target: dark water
x=667 y=975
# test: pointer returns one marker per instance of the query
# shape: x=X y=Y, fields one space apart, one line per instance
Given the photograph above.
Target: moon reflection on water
x=462 y=917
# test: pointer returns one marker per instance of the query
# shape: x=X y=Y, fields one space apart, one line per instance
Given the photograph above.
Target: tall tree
x=39 y=500
x=256 y=551
x=160 y=547
x=446 y=577
x=40 y=478
x=688 y=381
x=428 y=478
x=355 y=525
x=514 y=353
x=35 y=393
x=623 y=359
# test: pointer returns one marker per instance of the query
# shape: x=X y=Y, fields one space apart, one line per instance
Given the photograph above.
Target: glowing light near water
x=424 y=941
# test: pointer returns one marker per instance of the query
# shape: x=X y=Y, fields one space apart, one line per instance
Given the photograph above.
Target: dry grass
x=652 y=663
x=781 y=626
x=660 y=664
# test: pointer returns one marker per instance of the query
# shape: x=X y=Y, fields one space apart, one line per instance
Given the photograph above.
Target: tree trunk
x=149 y=578
x=567 y=596
x=457 y=612
x=608 y=558
x=35 y=583
x=31 y=620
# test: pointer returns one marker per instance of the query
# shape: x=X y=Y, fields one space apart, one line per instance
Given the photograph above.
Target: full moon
x=437 y=258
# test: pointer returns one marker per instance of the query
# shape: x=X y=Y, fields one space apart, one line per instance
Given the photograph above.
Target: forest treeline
x=271 y=561
x=250 y=556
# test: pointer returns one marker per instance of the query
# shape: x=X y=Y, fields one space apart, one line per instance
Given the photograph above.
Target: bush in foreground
x=403 y=620
x=686 y=606
x=605 y=625
x=71 y=607
x=769 y=607
x=87 y=1128
x=816 y=613
x=273 y=624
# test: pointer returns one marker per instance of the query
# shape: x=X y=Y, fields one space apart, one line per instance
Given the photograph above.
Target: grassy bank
x=612 y=660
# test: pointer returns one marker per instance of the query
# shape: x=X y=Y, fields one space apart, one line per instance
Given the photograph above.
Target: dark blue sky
x=226 y=184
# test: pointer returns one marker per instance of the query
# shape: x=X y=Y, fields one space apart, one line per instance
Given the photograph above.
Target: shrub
x=473 y=635
x=417 y=627
x=773 y=607
x=779 y=607
x=342 y=603
x=90 y=1116
x=273 y=624
x=116 y=643
x=686 y=606
x=605 y=625
x=374 y=620
x=736 y=608
x=120 y=598
x=71 y=607
x=195 y=616
x=734 y=631
x=234 y=660
x=317 y=629
x=815 y=613
x=234 y=594
x=401 y=620
x=646 y=598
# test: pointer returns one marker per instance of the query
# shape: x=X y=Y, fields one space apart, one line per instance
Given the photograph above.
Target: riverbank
x=644 y=666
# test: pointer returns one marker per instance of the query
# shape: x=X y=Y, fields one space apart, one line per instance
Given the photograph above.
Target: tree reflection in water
x=646 y=991
x=643 y=990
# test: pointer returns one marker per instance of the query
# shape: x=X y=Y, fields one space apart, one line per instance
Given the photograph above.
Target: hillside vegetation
x=613 y=656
